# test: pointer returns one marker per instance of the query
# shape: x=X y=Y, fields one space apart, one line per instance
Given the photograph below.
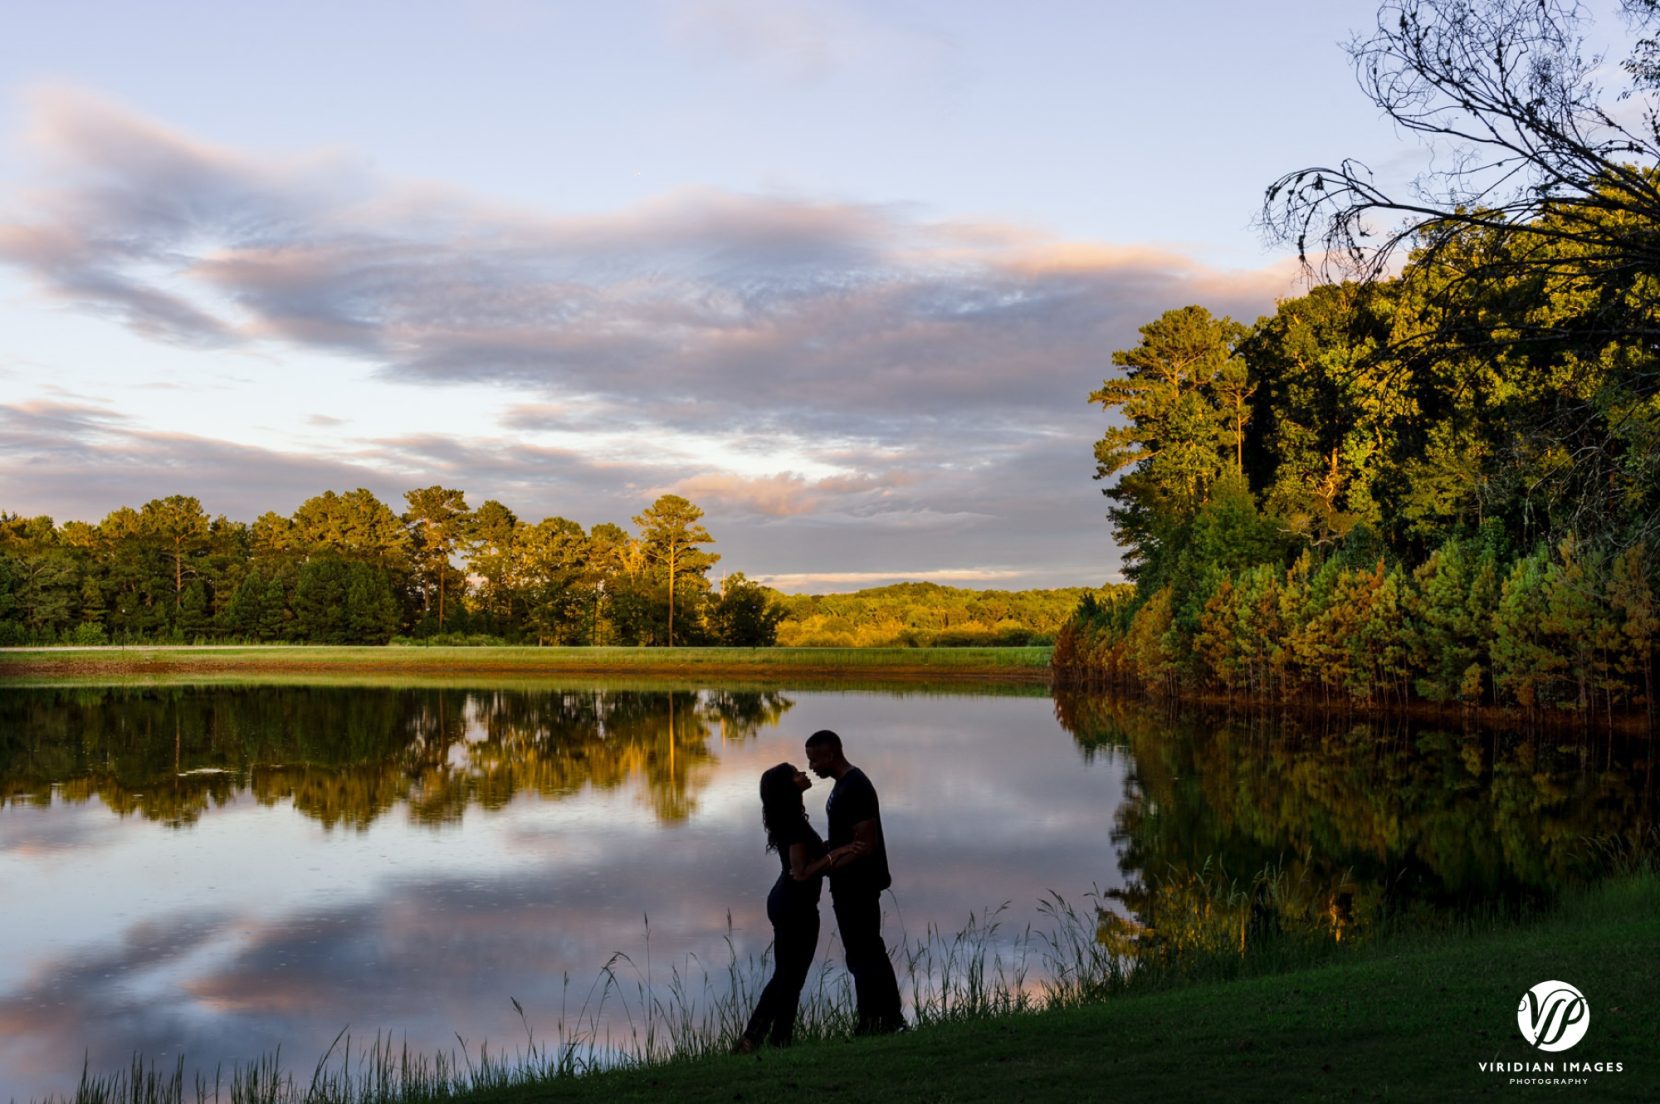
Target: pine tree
x=274 y=622
x=1525 y=664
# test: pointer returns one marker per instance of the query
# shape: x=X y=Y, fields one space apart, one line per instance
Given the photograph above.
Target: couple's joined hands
x=849 y=851
x=829 y=862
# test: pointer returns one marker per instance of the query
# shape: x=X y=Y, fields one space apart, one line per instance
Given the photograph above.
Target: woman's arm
x=801 y=870
x=864 y=839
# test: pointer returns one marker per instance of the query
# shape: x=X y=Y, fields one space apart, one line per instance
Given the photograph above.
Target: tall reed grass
x=635 y=1014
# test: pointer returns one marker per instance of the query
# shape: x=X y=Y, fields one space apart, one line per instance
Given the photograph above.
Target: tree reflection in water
x=1229 y=830
x=346 y=756
x=1232 y=830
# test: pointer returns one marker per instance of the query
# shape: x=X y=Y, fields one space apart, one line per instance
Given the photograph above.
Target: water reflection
x=347 y=757
x=218 y=923
x=455 y=848
x=1234 y=828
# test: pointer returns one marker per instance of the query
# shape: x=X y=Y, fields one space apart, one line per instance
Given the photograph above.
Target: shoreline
x=1450 y=714
x=182 y=662
x=1025 y=668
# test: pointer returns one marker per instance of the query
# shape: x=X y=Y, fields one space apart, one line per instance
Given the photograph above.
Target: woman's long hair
x=781 y=804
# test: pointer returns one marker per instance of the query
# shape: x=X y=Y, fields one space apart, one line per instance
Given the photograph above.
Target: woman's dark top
x=787 y=893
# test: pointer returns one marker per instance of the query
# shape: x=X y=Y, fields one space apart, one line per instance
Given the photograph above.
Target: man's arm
x=864 y=841
x=802 y=870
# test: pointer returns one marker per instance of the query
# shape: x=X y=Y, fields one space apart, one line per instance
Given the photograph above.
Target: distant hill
x=927 y=615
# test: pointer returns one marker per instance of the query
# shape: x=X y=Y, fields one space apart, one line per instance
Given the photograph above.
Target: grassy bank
x=255 y=662
x=1407 y=1017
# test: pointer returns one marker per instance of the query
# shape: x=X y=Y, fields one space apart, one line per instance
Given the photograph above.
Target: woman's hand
x=819 y=867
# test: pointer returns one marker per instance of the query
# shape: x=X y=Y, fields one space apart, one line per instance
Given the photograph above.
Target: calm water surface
x=217 y=872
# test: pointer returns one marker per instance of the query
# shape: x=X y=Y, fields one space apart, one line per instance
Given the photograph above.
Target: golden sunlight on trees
x=670 y=532
x=1447 y=481
x=438 y=521
x=346 y=569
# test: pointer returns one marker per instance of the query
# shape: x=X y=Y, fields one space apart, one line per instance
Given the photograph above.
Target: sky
x=842 y=274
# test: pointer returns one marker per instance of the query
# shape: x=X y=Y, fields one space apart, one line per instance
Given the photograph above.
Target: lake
x=219 y=871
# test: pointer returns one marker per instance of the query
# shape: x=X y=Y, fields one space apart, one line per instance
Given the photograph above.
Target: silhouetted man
x=857 y=880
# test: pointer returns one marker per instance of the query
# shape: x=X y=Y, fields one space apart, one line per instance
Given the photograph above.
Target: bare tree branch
x=1504 y=96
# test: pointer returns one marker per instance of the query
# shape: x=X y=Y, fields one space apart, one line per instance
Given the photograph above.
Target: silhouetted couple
x=856 y=861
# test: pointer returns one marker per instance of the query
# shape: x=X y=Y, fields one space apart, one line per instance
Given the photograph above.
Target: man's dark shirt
x=852 y=801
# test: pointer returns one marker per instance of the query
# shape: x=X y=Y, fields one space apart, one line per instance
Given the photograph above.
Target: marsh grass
x=989 y=670
x=637 y=1014
x=582 y=658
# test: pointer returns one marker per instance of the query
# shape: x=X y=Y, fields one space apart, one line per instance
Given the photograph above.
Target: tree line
x=1442 y=485
x=1319 y=504
x=348 y=569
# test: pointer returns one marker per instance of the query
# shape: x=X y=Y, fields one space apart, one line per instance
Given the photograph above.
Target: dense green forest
x=1438 y=480
x=346 y=569
x=1331 y=503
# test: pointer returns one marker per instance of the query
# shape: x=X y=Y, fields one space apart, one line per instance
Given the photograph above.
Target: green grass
x=1405 y=1017
x=151 y=664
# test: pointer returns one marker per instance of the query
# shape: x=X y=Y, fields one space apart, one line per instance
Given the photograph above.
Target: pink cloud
x=940 y=366
x=783 y=308
x=785 y=494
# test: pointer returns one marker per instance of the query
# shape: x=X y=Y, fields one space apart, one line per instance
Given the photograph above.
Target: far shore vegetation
x=493 y=664
x=347 y=569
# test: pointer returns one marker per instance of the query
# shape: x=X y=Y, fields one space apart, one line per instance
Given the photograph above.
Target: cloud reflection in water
x=493 y=843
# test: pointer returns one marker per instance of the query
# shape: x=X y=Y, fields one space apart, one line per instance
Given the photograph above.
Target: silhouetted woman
x=792 y=906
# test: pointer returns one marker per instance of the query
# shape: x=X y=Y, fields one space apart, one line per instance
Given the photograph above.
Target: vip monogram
x=1553 y=1015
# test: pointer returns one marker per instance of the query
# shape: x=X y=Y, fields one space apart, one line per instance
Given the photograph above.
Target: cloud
x=776 y=311
x=78 y=460
x=808 y=41
x=796 y=363
x=818 y=580
x=786 y=494
x=75 y=459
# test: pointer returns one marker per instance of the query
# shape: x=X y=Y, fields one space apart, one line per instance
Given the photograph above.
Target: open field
x=317 y=663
